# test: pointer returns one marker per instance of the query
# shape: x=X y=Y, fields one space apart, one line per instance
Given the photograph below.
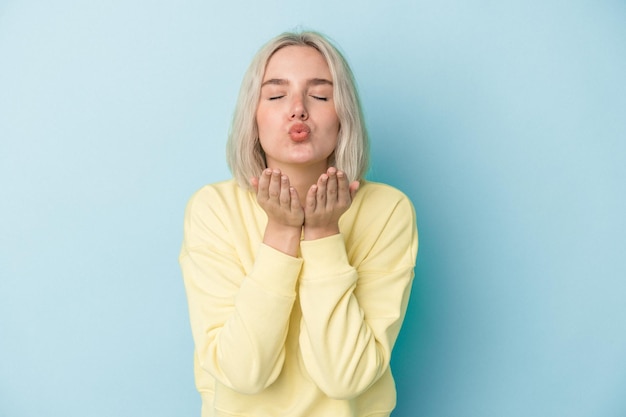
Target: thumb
x=254 y=182
x=354 y=187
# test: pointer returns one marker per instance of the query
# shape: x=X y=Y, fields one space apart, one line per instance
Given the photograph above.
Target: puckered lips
x=299 y=132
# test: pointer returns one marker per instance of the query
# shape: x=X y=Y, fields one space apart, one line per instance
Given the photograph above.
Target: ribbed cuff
x=324 y=257
x=276 y=271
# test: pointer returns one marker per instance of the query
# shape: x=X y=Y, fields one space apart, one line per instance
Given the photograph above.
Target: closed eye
x=275 y=97
x=320 y=98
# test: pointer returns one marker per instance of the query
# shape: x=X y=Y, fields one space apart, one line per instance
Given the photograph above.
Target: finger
x=254 y=182
x=264 y=182
x=344 y=188
x=274 y=184
x=295 y=200
x=311 y=199
x=285 y=192
x=321 y=191
x=354 y=187
x=331 y=185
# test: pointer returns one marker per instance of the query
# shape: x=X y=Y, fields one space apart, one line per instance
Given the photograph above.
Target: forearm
x=240 y=325
x=339 y=348
x=285 y=239
x=350 y=319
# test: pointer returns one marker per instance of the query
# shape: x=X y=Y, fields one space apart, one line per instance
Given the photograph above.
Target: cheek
x=266 y=117
x=259 y=117
x=330 y=120
x=334 y=122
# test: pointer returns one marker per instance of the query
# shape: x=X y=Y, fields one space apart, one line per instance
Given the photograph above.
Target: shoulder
x=216 y=194
x=378 y=206
x=213 y=210
x=380 y=189
x=381 y=227
x=222 y=188
x=381 y=197
x=214 y=203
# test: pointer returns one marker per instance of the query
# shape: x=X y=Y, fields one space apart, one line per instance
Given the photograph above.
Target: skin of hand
x=279 y=200
x=326 y=201
x=285 y=215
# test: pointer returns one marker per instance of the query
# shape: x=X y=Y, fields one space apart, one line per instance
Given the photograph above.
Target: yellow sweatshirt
x=311 y=335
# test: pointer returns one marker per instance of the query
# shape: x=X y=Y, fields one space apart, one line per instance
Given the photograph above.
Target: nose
x=298 y=109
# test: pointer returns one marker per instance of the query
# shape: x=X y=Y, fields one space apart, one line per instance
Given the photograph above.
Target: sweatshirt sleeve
x=352 y=314
x=239 y=321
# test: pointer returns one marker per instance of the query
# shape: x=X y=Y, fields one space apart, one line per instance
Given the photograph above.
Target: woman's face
x=296 y=116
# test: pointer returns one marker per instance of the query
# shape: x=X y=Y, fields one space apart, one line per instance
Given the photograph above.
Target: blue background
x=504 y=121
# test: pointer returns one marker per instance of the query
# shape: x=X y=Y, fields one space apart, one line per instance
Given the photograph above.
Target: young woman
x=297 y=271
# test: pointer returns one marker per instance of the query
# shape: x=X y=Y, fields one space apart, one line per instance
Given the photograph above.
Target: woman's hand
x=279 y=200
x=285 y=215
x=326 y=201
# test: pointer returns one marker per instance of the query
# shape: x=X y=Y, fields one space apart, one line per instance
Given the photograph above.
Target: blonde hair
x=244 y=154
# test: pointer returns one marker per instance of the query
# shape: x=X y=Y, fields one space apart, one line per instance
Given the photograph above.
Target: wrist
x=283 y=238
x=313 y=233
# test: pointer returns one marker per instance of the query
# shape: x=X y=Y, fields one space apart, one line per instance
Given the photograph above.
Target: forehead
x=297 y=62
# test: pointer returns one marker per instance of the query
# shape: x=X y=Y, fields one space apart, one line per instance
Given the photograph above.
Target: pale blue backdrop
x=504 y=121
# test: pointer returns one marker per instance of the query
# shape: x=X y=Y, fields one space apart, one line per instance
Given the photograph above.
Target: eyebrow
x=311 y=82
